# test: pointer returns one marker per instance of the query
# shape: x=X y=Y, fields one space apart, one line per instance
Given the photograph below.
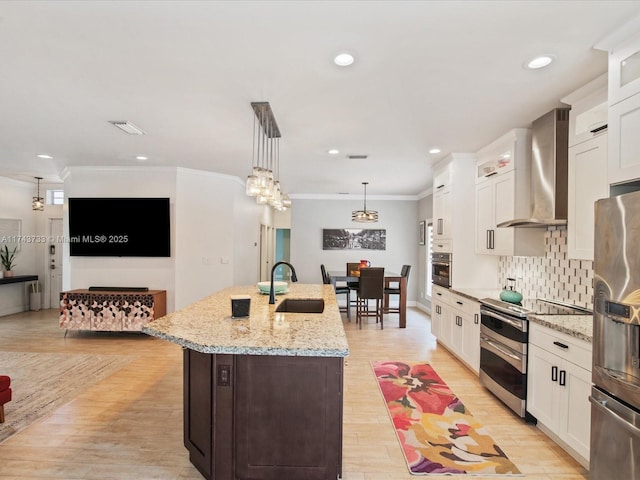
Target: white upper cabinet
x=587 y=183
x=587 y=166
x=624 y=70
x=442 y=207
x=624 y=111
x=502 y=193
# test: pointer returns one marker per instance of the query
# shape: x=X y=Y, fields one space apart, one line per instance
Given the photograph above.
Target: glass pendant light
x=37 y=203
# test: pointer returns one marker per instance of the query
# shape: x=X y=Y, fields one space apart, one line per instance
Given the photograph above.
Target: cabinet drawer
x=470 y=307
x=441 y=294
x=564 y=346
x=442 y=246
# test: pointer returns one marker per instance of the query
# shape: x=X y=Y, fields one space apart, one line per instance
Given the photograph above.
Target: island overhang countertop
x=207 y=327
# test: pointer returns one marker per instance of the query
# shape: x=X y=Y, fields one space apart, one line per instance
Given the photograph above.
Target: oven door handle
x=502 y=318
x=500 y=349
x=440 y=264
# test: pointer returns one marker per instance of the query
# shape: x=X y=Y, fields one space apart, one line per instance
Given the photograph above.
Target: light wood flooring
x=129 y=426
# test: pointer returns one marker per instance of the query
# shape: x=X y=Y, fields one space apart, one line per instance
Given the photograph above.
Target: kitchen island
x=262 y=394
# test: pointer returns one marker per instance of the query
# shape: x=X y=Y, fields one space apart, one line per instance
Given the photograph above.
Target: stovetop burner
x=538 y=306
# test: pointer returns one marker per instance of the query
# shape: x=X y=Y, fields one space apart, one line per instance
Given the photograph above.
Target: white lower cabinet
x=558 y=388
x=440 y=310
x=455 y=321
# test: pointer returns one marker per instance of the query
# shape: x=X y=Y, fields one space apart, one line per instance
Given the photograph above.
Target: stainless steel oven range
x=504 y=338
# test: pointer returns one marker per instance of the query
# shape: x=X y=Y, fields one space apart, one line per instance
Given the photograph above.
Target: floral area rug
x=437 y=433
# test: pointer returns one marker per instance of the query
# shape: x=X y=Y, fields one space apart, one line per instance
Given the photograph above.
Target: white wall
x=310 y=216
x=15 y=203
x=425 y=213
x=214 y=232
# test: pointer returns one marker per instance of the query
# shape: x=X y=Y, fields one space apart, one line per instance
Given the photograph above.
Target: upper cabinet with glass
x=624 y=70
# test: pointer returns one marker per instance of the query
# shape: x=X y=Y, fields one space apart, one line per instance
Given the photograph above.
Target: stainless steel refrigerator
x=615 y=396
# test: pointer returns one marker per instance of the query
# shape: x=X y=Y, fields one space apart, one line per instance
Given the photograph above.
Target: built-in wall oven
x=441 y=269
x=504 y=338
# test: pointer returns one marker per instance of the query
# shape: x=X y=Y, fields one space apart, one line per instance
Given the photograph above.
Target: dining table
x=389 y=277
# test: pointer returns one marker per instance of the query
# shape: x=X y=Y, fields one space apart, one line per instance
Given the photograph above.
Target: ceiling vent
x=357 y=157
x=128 y=127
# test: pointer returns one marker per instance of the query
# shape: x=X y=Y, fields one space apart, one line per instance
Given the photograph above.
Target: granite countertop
x=206 y=326
x=477 y=294
x=578 y=326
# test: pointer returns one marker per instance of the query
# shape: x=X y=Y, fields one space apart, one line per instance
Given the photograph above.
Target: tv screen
x=119 y=227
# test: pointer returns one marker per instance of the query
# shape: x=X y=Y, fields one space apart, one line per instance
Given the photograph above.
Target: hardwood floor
x=129 y=426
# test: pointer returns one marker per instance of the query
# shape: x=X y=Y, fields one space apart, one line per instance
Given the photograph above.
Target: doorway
x=283 y=249
x=266 y=252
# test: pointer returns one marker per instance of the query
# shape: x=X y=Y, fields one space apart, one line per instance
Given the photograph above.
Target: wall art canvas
x=354 y=239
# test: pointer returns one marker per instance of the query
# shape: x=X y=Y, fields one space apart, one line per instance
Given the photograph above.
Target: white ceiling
x=427 y=73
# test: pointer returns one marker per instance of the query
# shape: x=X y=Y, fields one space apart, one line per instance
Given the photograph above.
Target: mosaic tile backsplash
x=553 y=276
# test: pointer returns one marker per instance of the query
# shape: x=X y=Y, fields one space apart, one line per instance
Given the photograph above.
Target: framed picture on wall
x=422 y=231
x=354 y=239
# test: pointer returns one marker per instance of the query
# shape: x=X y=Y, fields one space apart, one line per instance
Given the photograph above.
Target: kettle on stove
x=509 y=294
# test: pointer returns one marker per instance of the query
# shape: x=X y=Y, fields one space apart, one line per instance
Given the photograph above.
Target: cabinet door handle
x=440 y=226
x=554 y=374
x=563 y=378
x=459 y=303
x=561 y=345
x=475 y=318
x=439 y=186
x=488 y=239
x=493 y=239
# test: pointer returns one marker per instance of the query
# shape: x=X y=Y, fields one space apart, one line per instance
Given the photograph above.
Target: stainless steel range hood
x=549 y=165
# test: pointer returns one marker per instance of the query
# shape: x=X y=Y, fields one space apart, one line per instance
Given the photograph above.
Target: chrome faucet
x=294 y=278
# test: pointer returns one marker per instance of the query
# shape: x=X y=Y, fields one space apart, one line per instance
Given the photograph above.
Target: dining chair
x=395 y=290
x=371 y=288
x=351 y=267
x=339 y=290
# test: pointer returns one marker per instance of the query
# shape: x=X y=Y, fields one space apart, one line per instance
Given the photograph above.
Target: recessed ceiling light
x=540 y=61
x=343 y=59
x=433 y=151
x=333 y=151
x=44 y=155
x=141 y=157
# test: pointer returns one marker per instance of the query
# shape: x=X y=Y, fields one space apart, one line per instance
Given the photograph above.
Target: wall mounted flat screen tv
x=119 y=227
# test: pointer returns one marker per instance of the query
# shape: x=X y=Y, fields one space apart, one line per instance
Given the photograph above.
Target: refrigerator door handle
x=602 y=405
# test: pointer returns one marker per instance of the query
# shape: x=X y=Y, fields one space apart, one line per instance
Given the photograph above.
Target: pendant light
x=263 y=183
x=37 y=203
x=364 y=215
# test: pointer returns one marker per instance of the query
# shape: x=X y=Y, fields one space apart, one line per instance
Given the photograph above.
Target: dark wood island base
x=263 y=417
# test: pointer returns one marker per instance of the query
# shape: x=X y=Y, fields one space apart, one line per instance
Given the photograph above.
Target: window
x=55 y=197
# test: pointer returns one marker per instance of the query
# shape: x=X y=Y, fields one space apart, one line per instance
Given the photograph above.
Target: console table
x=14 y=297
x=111 y=311
x=18 y=279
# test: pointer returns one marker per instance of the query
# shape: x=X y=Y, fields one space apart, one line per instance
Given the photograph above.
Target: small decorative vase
x=364 y=264
x=8 y=273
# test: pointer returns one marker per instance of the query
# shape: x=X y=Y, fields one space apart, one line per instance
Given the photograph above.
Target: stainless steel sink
x=301 y=305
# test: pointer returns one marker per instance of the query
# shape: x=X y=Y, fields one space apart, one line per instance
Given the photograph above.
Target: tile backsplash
x=553 y=276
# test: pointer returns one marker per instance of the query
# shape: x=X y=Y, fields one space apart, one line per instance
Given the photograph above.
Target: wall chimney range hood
x=549 y=171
